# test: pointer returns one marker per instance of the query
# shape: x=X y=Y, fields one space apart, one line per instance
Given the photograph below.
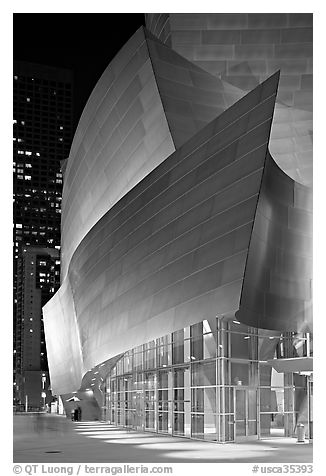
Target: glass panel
x=279 y=395
x=277 y=424
x=178 y=394
x=179 y=406
x=163 y=394
x=128 y=362
x=197 y=425
x=252 y=428
x=149 y=400
x=197 y=341
x=150 y=420
x=289 y=424
x=267 y=400
x=163 y=379
x=252 y=404
x=301 y=403
x=129 y=418
x=210 y=346
x=299 y=380
x=164 y=354
x=204 y=374
x=178 y=347
x=178 y=426
x=240 y=404
x=163 y=406
x=203 y=400
x=253 y=374
x=210 y=400
x=265 y=424
x=138 y=361
x=163 y=422
x=178 y=377
x=187 y=351
x=210 y=429
x=150 y=380
x=240 y=428
x=239 y=346
x=197 y=400
x=265 y=373
x=149 y=358
x=239 y=373
x=266 y=347
x=209 y=325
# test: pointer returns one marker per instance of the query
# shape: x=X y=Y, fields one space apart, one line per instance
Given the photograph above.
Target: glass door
x=245 y=413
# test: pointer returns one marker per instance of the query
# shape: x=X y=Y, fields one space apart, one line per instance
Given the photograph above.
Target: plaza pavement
x=45 y=438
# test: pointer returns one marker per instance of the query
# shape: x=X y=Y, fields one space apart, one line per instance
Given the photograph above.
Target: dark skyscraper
x=42 y=131
x=38 y=278
x=42 y=138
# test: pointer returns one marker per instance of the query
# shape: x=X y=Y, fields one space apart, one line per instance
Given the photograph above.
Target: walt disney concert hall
x=185 y=305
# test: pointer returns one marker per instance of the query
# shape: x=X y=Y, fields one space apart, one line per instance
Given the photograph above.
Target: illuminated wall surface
x=147 y=103
x=199 y=222
x=243 y=49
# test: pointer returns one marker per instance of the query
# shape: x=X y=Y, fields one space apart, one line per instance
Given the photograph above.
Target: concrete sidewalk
x=55 y=439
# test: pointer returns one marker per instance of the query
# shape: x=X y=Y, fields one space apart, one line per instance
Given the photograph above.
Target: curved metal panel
x=243 y=49
x=277 y=290
x=62 y=341
x=148 y=101
x=122 y=135
x=173 y=250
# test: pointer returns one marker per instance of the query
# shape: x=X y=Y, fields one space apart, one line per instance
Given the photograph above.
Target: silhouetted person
x=79 y=413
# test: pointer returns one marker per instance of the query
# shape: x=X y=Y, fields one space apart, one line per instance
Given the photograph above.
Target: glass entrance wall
x=209 y=381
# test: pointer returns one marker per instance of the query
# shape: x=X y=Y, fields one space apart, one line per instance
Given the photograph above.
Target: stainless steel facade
x=210 y=226
x=147 y=103
x=243 y=49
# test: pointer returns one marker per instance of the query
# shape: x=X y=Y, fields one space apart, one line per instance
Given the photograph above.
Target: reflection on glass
x=239 y=373
x=163 y=379
x=240 y=346
x=209 y=397
x=150 y=420
x=163 y=422
x=178 y=426
x=178 y=347
x=203 y=400
x=196 y=348
x=210 y=346
x=178 y=377
x=197 y=425
x=210 y=429
x=252 y=403
x=204 y=373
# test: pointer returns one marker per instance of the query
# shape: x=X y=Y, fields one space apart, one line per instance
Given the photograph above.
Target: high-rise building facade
x=185 y=298
x=42 y=137
x=38 y=278
x=42 y=130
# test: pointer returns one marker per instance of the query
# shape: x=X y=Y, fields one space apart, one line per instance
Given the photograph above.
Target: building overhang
x=297 y=364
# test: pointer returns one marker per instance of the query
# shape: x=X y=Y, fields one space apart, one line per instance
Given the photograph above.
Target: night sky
x=82 y=42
